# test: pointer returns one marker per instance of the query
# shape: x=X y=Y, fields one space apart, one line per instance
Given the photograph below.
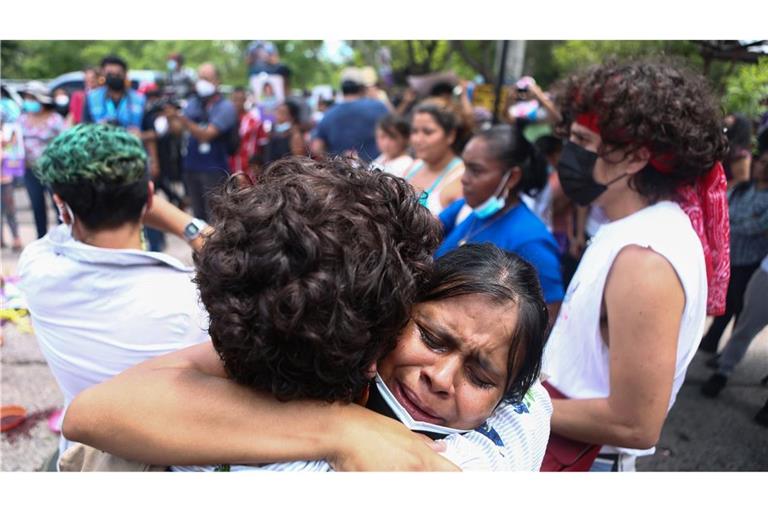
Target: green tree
x=419 y=57
x=48 y=59
x=746 y=88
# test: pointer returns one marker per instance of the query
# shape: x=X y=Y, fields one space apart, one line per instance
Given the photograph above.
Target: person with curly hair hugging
x=310 y=277
x=645 y=145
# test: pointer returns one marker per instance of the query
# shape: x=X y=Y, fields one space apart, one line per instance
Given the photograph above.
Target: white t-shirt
x=396 y=167
x=576 y=358
x=96 y=312
x=514 y=438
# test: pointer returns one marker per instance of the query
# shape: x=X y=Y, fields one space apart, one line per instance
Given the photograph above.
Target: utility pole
x=510 y=57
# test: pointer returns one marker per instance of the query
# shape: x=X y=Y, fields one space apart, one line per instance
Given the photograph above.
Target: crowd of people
x=385 y=266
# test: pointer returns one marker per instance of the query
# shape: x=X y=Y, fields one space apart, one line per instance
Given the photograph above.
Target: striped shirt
x=514 y=438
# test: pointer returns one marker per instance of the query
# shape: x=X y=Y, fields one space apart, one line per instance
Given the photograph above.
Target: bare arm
x=181 y=409
x=150 y=142
x=166 y=217
x=202 y=133
x=548 y=104
x=644 y=316
x=317 y=147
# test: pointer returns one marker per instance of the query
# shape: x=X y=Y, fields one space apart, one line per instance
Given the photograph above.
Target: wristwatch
x=194 y=228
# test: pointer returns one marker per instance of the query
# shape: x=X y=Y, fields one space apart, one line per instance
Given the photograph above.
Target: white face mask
x=283 y=127
x=69 y=213
x=405 y=418
x=62 y=100
x=204 y=88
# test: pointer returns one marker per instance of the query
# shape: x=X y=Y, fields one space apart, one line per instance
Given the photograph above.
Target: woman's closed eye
x=431 y=341
x=478 y=381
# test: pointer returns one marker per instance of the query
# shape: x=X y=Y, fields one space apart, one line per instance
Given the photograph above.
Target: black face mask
x=576 y=171
x=115 y=82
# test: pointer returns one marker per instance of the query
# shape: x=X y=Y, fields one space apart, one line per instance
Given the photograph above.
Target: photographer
x=207 y=120
x=166 y=138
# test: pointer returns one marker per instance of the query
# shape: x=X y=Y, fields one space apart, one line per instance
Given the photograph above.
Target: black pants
x=734 y=302
x=199 y=186
x=37 y=193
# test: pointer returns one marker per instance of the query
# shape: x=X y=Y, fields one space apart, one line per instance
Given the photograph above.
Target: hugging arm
x=180 y=409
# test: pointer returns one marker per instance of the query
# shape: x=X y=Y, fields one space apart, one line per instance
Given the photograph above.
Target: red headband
x=590 y=121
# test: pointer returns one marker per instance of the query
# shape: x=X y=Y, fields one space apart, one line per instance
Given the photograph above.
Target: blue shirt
x=221 y=114
x=519 y=231
x=351 y=126
x=127 y=113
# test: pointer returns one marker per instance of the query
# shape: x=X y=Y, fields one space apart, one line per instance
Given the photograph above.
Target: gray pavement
x=700 y=434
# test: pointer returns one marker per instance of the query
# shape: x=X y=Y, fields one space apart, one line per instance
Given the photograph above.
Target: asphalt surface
x=700 y=434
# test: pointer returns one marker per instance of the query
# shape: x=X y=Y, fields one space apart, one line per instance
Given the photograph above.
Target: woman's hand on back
x=368 y=441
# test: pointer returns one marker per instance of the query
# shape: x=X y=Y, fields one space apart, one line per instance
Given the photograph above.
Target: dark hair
x=394 y=126
x=238 y=88
x=114 y=59
x=441 y=89
x=311 y=273
x=739 y=134
x=654 y=103
x=448 y=119
x=99 y=171
x=507 y=145
x=549 y=145
x=104 y=205
x=294 y=110
x=503 y=277
x=350 y=87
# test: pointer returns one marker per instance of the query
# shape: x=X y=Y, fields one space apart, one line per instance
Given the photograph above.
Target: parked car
x=74 y=81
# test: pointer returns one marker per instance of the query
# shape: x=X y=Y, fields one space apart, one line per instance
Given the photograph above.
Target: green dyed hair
x=93 y=153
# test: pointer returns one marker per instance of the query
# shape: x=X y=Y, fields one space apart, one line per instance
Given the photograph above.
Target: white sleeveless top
x=576 y=359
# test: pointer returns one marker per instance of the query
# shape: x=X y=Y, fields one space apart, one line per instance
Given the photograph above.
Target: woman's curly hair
x=310 y=275
x=654 y=103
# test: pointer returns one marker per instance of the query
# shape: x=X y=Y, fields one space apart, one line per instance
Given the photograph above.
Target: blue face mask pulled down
x=493 y=204
x=32 y=106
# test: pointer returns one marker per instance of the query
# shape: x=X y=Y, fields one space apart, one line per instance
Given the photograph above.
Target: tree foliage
x=745 y=89
x=48 y=59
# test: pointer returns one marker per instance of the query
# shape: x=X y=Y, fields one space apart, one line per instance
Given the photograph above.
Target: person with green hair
x=97 y=299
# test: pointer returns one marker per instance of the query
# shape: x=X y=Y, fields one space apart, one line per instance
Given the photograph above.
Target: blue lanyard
x=416 y=168
x=110 y=107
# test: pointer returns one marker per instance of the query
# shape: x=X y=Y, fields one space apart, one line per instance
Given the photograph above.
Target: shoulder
x=227 y=106
x=32 y=255
x=528 y=228
x=640 y=274
x=449 y=214
x=376 y=105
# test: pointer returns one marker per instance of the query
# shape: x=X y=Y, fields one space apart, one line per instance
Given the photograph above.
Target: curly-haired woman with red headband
x=645 y=144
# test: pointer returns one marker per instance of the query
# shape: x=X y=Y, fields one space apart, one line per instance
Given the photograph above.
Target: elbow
x=75 y=426
x=72 y=428
x=639 y=437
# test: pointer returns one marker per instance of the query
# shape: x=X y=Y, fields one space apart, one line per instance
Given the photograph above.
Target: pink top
x=37 y=136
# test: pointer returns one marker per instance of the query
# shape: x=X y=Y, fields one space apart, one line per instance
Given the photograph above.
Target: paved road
x=700 y=434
